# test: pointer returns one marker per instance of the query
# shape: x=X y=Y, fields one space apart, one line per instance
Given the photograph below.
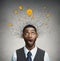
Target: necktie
x=29 y=56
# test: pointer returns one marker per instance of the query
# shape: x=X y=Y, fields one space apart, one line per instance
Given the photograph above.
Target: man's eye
x=26 y=33
x=33 y=32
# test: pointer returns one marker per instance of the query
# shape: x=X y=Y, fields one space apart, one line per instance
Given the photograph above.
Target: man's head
x=30 y=35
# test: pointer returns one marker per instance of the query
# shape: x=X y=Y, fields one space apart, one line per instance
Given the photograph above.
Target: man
x=30 y=52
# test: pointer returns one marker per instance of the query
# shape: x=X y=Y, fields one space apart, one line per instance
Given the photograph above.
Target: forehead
x=29 y=29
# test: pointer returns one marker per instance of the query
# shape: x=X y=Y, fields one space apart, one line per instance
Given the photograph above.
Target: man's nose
x=29 y=35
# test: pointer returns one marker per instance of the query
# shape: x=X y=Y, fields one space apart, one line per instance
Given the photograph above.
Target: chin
x=31 y=45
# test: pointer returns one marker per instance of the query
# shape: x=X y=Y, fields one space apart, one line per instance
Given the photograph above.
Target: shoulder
x=40 y=50
x=20 y=50
x=46 y=57
x=43 y=53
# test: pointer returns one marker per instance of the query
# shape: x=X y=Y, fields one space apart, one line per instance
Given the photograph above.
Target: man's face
x=30 y=36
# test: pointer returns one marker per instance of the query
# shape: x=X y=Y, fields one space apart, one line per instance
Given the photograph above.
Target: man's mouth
x=30 y=41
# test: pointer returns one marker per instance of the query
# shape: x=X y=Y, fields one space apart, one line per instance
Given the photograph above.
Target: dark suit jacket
x=21 y=55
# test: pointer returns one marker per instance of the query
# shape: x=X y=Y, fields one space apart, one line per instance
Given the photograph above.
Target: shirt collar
x=33 y=51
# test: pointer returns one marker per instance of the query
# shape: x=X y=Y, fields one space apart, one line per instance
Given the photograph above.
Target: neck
x=30 y=47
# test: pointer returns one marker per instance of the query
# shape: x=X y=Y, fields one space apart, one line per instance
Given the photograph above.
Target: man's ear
x=22 y=35
x=37 y=35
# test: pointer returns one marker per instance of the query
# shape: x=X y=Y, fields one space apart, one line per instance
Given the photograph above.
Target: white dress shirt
x=33 y=51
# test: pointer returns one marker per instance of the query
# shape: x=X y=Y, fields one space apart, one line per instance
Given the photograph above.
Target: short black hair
x=29 y=25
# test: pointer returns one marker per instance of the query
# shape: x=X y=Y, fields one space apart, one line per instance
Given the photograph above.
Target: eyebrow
x=31 y=31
